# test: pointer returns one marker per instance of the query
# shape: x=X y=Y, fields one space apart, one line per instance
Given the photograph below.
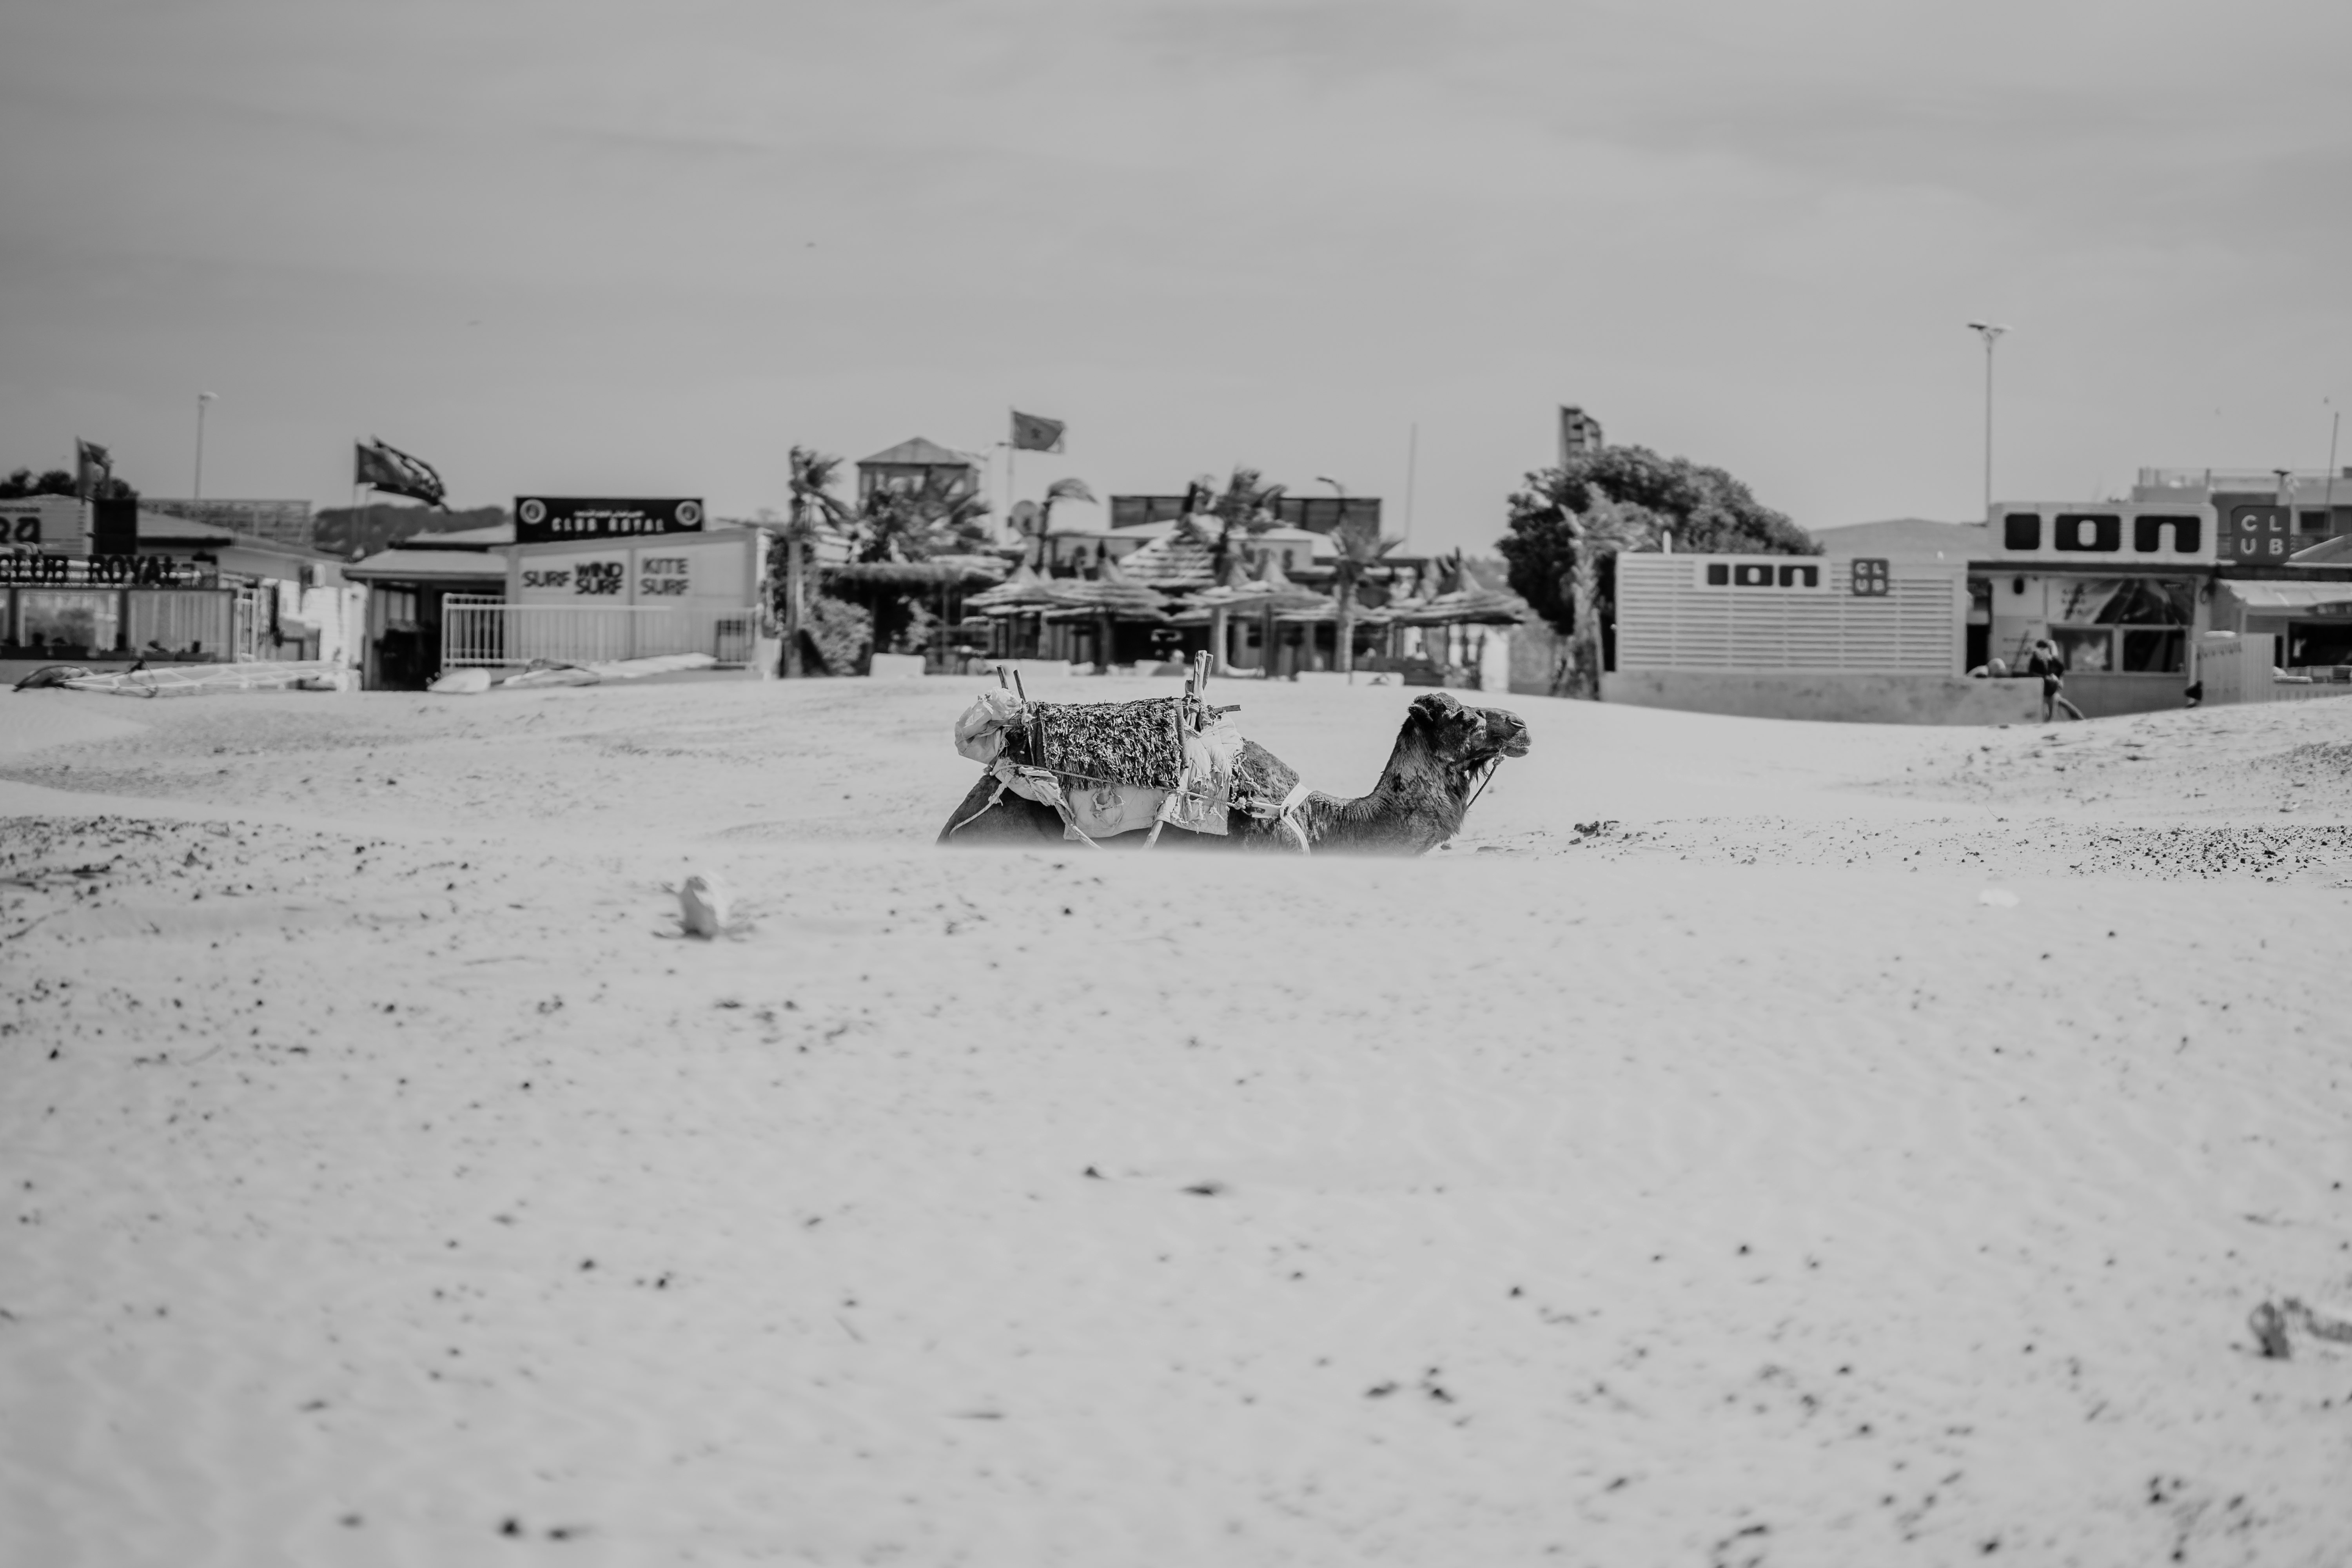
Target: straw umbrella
x=1108 y=598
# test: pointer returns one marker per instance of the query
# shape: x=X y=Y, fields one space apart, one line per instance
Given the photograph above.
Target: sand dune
x=1730 y=1185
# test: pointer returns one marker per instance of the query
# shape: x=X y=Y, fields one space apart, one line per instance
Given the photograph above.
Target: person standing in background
x=2046 y=664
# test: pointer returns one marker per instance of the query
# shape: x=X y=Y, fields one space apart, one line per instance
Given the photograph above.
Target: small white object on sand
x=702 y=905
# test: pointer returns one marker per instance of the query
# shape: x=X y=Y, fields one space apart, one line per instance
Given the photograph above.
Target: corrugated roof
x=483 y=538
x=156 y=527
x=427 y=566
x=2289 y=595
x=2335 y=552
x=1899 y=536
x=919 y=451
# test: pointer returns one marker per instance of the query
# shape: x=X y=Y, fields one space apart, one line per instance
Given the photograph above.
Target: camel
x=1442 y=754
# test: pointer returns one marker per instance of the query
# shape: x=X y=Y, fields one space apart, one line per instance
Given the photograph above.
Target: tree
x=813 y=506
x=1357 y=547
x=21 y=485
x=1567 y=526
x=935 y=518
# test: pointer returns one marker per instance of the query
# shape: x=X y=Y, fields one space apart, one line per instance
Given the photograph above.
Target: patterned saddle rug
x=1110 y=768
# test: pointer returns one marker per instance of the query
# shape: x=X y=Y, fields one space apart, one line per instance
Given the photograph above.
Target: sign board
x=30 y=569
x=1873 y=577
x=686 y=571
x=1809 y=575
x=46 y=522
x=2065 y=533
x=596 y=579
x=546 y=520
x=2259 y=534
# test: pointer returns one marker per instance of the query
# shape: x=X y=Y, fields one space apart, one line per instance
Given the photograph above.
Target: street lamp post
x=202 y=398
x=1991 y=335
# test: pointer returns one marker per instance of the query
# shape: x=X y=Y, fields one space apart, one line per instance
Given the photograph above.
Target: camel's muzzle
x=1506 y=733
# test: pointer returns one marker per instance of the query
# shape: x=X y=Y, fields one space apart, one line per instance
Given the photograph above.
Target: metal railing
x=482 y=629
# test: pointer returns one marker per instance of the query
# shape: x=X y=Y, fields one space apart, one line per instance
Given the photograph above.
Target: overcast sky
x=634 y=249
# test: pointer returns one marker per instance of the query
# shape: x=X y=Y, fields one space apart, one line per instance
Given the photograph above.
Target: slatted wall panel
x=1666 y=621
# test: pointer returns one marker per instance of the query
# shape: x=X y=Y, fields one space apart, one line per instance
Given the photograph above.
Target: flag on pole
x=395 y=473
x=96 y=465
x=1035 y=433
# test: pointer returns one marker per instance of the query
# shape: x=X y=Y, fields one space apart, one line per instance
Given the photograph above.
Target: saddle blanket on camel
x=1110 y=768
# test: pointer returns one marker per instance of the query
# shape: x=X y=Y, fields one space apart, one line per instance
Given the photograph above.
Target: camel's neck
x=1417 y=806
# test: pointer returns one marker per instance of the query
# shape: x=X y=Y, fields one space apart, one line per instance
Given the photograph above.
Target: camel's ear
x=1449 y=726
x=1434 y=707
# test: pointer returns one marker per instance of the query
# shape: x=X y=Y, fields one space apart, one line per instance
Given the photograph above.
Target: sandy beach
x=1864 y=1145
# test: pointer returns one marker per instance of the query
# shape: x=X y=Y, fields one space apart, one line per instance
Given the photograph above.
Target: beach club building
x=1916 y=622
x=572 y=580
x=108 y=584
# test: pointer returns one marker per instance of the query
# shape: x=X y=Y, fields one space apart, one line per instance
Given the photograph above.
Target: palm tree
x=915 y=525
x=1357 y=546
x=813 y=506
x=1059 y=490
x=1600 y=531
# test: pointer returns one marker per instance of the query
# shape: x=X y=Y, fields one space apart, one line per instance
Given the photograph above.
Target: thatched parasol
x=1022 y=594
x=939 y=571
x=1480 y=606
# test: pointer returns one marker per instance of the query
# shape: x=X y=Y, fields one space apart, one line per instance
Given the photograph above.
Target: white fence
x=481 y=629
x=2243 y=668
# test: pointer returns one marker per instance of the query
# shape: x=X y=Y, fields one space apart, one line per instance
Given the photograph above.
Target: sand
x=385 y=1182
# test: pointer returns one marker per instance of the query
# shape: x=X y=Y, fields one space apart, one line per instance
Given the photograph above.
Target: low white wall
x=1836 y=696
x=2243 y=668
x=2236 y=669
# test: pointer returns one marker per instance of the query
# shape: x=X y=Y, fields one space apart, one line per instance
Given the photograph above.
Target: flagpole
x=1412 y=462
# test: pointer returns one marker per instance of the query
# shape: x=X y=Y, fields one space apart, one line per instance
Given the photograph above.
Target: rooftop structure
x=280 y=521
x=1906 y=536
x=1579 y=432
x=913 y=465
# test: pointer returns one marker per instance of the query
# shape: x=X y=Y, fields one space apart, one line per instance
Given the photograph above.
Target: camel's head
x=1467 y=737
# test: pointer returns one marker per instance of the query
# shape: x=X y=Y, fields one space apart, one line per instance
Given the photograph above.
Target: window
x=2153 y=653
x=2138 y=625
x=2312 y=522
x=1719 y=576
x=1800 y=576
x=2147 y=534
x=2022 y=530
x=2084 y=649
x=2099 y=530
x=61 y=621
x=187 y=623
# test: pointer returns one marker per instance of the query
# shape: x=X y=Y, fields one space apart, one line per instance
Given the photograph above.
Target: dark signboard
x=2259 y=535
x=543 y=520
x=114 y=526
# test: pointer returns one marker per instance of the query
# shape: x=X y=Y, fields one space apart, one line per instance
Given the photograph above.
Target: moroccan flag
x=97 y=466
x=395 y=473
x=1035 y=433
